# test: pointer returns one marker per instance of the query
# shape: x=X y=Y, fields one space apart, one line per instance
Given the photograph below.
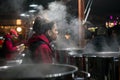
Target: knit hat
x=13 y=31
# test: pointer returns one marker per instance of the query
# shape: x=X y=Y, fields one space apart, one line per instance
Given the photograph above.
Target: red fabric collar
x=37 y=37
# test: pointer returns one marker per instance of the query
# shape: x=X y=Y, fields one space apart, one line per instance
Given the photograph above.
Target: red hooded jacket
x=9 y=48
x=43 y=53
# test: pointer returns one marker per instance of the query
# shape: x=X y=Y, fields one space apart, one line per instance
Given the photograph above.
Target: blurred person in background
x=99 y=42
x=9 y=49
x=40 y=42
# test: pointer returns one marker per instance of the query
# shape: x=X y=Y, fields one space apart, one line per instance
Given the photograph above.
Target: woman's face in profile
x=54 y=32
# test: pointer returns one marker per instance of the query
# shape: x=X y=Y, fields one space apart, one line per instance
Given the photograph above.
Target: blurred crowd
x=102 y=38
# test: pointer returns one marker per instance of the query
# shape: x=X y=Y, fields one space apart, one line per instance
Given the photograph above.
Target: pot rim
x=70 y=48
x=102 y=54
x=51 y=75
x=64 y=73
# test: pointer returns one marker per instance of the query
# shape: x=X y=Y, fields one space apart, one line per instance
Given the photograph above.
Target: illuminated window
x=18 y=22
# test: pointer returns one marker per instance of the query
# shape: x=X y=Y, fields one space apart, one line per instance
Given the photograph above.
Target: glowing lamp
x=33 y=5
x=19 y=29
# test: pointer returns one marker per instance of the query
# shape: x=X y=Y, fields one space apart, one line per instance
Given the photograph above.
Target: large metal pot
x=38 y=71
x=103 y=65
x=62 y=54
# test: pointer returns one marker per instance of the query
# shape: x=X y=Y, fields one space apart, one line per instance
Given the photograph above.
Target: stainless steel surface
x=102 y=54
x=14 y=62
x=62 y=54
x=37 y=71
x=4 y=67
x=71 y=49
x=86 y=76
x=102 y=65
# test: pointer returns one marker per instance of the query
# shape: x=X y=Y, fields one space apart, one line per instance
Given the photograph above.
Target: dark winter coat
x=40 y=48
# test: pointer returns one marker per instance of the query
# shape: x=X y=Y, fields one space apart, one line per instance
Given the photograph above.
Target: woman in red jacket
x=9 y=48
x=39 y=43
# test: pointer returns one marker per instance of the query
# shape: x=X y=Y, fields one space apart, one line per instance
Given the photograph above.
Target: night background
x=98 y=8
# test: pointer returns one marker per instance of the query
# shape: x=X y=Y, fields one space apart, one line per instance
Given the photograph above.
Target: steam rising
x=57 y=12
